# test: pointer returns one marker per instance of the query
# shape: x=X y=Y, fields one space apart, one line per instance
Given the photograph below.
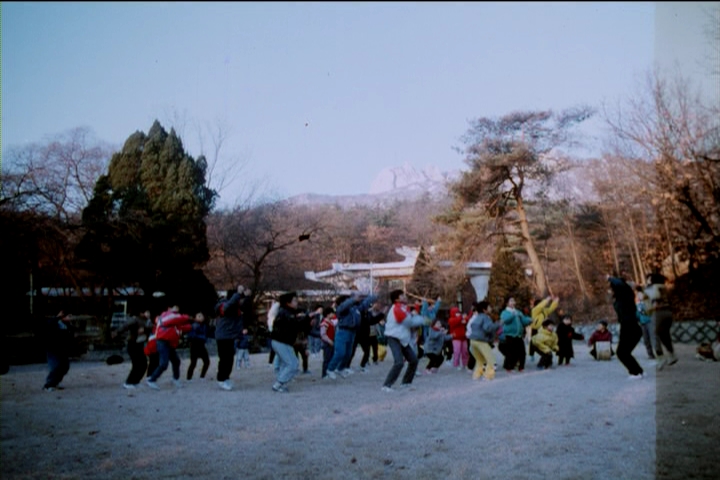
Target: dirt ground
x=584 y=421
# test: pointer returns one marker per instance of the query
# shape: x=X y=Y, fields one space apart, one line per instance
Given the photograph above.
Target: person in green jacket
x=514 y=322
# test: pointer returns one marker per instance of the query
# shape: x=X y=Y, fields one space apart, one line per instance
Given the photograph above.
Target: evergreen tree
x=507 y=279
x=145 y=224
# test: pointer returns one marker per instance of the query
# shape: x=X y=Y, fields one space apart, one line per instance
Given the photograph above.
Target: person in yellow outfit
x=545 y=342
x=481 y=331
x=540 y=312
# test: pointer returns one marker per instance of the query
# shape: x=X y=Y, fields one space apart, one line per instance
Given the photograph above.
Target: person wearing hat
x=545 y=342
x=284 y=332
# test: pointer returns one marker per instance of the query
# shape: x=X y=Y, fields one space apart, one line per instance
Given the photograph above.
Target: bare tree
x=55 y=177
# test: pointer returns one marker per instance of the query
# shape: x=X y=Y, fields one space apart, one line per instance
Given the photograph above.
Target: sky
x=320 y=97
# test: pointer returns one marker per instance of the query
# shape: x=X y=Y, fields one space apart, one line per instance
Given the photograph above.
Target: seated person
x=545 y=342
x=601 y=334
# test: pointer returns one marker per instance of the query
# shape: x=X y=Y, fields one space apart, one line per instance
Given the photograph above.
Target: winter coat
x=349 y=312
x=566 y=334
x=482 y=328
x=229 y=324
x=286 y=326
x=514 y=323
x=457 y=324
x=435 y=341
x=400 y=322
x=541 y=312
x=546 y=341
x=170 y=326
x=624 y=301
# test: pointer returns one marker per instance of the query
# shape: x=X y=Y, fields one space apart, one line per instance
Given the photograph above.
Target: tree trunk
x=530 y=248
x=576 y=260
x=636 y=250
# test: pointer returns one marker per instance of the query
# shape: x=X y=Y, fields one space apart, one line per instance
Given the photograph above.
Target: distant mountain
x=409 y=183
x=391 y=184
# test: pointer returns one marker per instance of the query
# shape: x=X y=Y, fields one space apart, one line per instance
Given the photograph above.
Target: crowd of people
x=410 y=331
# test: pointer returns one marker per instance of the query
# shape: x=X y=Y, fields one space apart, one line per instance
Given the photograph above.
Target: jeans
x=344 y=340
x=167 y=355
x=400 y=354
x=630 y=335
x=226 y=356
x=315 y=344
x=139 y=363
x=327 y=355
x=648 y=332
x=198 y=351
x=153 y=361
x=287 y=361
x=59 y=365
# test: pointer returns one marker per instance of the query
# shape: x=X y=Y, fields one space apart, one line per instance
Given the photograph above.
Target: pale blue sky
x=379 y=84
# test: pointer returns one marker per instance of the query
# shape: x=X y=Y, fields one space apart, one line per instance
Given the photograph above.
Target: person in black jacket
x=630 y=331
x=58 y=336
x=566 y=334
x=228 y=327
x=284 y=333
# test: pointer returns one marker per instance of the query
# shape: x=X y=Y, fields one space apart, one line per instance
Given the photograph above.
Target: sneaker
x=307 y=372
x=364 y=369
x=332 y=375
x=639 y=376
x=48 y=389
x=673 y=359
x=129 y=386
x=661 y=363
x=177 y=383
x=152 y=385
x=225 y=385
x=407 y=386
x=428 y=371
x=279 y=387
x=349 y=371
x=345 y=373
x=387 y=389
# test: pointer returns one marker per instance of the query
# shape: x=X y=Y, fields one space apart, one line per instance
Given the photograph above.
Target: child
x=545 y=342
x=566 y=334
x=481 y=331
x=327 y=335
x=242 y=345
x=382 y=340
x=601 y=334
x=436 y=337
x=197 y=337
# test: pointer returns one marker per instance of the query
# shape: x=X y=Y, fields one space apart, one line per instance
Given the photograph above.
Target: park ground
x=585 y=421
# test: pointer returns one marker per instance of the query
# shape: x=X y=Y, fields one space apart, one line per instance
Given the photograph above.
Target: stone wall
x=693 y=332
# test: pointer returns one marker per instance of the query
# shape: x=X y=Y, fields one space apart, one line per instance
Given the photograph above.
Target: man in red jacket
x=170 y=325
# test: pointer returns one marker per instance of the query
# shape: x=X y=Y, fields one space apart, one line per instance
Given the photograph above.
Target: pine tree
x=507 y=279
x=145 y=224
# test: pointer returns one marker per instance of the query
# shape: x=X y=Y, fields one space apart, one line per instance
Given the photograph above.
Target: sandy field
x=585 y=421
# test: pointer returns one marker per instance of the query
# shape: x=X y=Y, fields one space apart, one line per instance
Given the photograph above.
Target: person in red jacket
x=170 y=325
x=457 y=324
